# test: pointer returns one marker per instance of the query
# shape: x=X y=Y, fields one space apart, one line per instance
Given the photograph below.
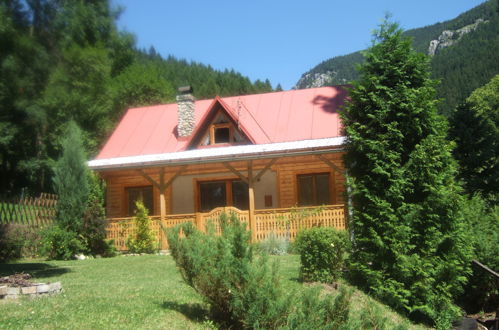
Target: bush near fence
x=283 y=223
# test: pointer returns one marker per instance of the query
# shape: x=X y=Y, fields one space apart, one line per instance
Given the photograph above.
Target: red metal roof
x=293 y=115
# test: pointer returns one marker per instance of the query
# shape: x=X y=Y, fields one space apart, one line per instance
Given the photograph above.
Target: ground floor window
x=218 y=193
x=139 y=193
x=314 y=189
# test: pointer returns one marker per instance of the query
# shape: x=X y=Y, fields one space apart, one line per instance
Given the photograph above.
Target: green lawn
x=143 y=292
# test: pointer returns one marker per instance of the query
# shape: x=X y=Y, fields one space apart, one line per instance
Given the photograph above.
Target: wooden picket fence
x=34 y=211
x=283 y=222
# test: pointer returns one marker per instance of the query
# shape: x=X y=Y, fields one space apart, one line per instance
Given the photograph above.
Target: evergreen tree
x=71 y=181
x=410 y=247
x=94 y=219
x=63 y=60
x=475 y=128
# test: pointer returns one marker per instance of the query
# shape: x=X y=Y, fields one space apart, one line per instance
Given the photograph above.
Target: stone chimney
x=186 y=107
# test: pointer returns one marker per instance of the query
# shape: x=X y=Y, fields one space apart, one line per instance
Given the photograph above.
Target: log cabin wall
x=283 y=175
x=288 y=169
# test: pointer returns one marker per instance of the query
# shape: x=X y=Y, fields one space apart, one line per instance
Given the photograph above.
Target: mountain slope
x=465 y=55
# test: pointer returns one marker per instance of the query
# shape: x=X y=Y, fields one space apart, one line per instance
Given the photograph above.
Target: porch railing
x=282 y=222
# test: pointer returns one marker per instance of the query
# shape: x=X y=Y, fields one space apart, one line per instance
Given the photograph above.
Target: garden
x=413 y=234
x=145 y=292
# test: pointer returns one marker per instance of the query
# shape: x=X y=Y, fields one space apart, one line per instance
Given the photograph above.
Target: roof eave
x=100 y=165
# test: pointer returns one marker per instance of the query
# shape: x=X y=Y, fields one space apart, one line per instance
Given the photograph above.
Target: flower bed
x=17 y=285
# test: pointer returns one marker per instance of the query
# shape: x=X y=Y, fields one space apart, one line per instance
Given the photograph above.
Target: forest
x=461 y=68
x=63 y=60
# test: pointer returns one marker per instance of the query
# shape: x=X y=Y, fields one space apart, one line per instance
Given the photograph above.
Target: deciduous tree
x=475 y=128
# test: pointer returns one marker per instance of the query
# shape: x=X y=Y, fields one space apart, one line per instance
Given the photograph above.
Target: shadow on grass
x=34 y=269
x=295 y=279
x=194 y=312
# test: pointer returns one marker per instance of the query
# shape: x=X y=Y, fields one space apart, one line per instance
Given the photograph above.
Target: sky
x=274 y=39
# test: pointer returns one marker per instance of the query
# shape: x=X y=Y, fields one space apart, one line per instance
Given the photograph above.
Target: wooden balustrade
x=283 y=222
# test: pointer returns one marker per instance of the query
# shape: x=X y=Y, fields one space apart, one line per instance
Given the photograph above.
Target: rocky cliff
x=450 y=37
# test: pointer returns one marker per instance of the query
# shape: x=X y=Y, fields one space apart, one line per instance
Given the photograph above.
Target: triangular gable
x=219 y=120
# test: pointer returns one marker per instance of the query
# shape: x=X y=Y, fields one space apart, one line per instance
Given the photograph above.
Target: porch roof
x=230 y=153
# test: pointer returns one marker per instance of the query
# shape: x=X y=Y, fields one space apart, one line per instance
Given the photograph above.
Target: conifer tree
x=71 y=181
x=410 y=248
x=475 y=128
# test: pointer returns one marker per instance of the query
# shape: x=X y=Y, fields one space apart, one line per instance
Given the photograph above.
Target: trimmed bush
x=244 y=291
x=323 y=251
x=60 y=244
x=143 y=242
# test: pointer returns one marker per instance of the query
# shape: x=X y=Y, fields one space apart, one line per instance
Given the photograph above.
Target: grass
x=144 y=292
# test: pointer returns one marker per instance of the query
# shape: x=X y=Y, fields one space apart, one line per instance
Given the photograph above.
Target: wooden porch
x=283 y=222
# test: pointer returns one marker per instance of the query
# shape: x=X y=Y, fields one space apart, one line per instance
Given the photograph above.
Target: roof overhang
x=222 y=154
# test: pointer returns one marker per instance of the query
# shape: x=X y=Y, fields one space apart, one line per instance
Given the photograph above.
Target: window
x=221 y=133
x=214 y=194
x=221 y=130
x=313 y=189
x=139 y=193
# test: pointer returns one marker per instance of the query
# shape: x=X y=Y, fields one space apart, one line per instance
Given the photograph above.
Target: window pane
x=305 y=190
x=322 y=189
x=139 y=193
x=222 y=135
x=212 y=194
x=240 y=195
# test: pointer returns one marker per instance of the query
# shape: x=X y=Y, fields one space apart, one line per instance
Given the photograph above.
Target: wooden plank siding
x=287 y=169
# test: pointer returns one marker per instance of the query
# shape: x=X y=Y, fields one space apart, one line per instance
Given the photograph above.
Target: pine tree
x=71 y=181
x=410 y=248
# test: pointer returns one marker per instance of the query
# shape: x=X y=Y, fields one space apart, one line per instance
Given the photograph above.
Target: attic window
x=221 y=133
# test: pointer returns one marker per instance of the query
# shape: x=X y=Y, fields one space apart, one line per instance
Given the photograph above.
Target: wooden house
x=272 y=158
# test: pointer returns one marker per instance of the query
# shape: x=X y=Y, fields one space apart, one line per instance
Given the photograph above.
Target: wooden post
x=198 y=222
x=251 y=204
x=162 y=191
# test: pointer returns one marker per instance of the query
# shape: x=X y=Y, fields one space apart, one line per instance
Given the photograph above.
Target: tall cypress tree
x=71 y=181
x=410 y=248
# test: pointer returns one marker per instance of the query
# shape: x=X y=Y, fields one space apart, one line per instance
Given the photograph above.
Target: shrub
x=144 y=237
x=274 y=245
x=18 y=241
x=481 y=291
x=109 y=249
x=314 y=312
x=60 y=244
x=323 y=251
x=244 y=291
x=10 y=245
